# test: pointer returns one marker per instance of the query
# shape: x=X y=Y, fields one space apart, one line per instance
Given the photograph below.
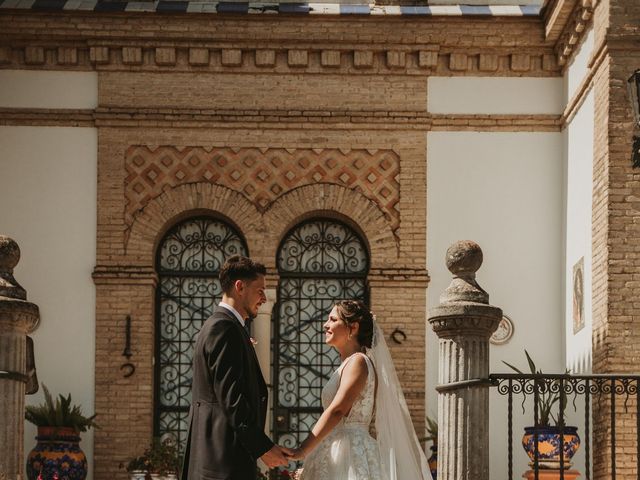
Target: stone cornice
x=556 y=16
x=277 y=119
x=356 y=46
x=392 y=60
x=573 y=31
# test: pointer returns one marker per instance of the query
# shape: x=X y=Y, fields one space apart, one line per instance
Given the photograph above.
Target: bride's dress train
x=348 y=452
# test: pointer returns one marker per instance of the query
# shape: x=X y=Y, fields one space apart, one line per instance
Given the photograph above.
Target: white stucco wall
x=578 y=201
x=478 y=95
x=504 y=191
x=579 y=66
x=48 y=197
x=48 y=89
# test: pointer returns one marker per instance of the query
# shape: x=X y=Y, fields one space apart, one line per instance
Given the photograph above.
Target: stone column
x=17 y=318
x=464 y=321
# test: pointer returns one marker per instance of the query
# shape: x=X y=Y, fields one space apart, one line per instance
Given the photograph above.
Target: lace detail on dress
x=348 y=452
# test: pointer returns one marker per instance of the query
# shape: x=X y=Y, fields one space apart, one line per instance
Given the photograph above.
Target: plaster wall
x=48 y=198
x=579 y=139
x=504 y=191
x=486 y=95
x=579 y=67
x=48 y=89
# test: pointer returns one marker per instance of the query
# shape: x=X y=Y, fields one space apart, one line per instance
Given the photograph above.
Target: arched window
x=188 y=261
x=319 y=261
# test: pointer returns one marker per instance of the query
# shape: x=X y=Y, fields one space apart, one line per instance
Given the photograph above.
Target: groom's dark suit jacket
x=229 y=404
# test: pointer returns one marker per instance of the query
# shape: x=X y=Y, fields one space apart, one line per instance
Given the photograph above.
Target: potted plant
x=57 y=453
x=432 y=436
x=277 y=474
x=161 y=460
x=549 y=430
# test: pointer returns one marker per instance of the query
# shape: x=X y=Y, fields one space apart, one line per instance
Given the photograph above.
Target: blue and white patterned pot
x=549 y=445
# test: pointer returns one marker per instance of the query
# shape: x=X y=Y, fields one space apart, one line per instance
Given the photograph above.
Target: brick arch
x=176 y=203
x=301 y=203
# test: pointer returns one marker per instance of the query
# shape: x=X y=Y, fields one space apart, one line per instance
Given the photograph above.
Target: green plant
x=549 y=393
x=160 y=457
x=432 y=430
x=59 y=413
x=276 y=474
x=138 y=464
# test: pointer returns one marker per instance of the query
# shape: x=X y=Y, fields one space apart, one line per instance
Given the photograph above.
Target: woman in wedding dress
x=365 y=384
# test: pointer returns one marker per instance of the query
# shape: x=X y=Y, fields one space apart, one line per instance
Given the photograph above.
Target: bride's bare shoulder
x=357 y=365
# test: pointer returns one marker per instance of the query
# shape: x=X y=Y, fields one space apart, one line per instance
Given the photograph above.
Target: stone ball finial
x=9 y=258
x=9 y=254
x=464 y=257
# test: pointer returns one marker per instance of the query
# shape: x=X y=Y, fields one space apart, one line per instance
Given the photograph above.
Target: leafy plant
x=59 y=413
x=138 y=464
x=432 y=430
x=276 y=474
x=549 y=393
x=160 y=457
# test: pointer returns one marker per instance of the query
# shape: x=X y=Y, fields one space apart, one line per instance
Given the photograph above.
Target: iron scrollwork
x=189 y=259
x=319 y=262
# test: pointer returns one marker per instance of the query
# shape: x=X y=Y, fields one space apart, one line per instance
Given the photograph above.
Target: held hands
x=277 y=456
x=297 y=453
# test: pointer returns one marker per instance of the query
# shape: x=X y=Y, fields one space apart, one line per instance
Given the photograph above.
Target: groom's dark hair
x=238 y=267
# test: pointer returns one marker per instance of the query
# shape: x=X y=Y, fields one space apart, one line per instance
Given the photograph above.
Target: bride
x=339 y=446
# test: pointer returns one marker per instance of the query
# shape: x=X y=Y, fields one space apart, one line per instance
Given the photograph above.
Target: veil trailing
x=400 y=451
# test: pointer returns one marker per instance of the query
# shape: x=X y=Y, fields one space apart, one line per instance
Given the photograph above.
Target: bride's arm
x=352 y=382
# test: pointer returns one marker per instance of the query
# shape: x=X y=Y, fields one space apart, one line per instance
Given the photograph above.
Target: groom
x=229 y=395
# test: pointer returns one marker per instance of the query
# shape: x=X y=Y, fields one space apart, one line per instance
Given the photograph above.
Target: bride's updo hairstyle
x=354 y=311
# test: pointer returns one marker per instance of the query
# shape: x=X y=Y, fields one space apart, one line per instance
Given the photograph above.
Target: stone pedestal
x=17 y=318
x=464 y=321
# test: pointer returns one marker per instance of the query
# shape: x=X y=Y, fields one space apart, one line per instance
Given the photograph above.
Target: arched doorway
x=188 y=261
x=319 y=261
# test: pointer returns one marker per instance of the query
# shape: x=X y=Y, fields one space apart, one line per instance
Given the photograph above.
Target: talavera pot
x=57 y=455
x=549 y=445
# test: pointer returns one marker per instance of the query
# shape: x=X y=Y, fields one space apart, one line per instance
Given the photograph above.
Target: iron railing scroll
x=598 y=396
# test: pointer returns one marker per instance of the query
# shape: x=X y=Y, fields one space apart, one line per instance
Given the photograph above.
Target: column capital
x=464 y=306
x=16 y=314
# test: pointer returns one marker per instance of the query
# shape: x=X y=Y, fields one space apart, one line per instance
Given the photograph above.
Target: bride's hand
x=297 y=454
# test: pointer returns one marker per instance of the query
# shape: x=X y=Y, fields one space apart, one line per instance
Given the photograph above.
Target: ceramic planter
x=549 y=445
x=57 y=455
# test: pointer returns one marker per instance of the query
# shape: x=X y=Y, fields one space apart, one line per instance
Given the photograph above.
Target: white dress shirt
x=234 y=311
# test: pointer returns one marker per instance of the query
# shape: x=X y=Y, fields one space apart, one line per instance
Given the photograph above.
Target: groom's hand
x=276 y=457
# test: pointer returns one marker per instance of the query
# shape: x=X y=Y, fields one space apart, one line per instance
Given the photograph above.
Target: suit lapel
x=248 y=345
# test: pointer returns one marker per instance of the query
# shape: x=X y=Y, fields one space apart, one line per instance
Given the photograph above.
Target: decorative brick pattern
x=261 y=175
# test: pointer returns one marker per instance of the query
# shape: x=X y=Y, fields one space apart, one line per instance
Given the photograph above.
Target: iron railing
x=603 y=399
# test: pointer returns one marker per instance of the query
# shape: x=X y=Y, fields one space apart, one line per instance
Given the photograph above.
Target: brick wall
x=354 y=89
x=616 y=239
x=383 y=195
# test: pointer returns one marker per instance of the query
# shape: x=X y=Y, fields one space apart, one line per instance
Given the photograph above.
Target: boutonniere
x=253 y=341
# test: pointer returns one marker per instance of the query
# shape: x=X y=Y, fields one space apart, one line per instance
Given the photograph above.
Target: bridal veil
x=401 y=454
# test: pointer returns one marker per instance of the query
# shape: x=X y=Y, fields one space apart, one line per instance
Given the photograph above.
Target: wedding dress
x=348 y=452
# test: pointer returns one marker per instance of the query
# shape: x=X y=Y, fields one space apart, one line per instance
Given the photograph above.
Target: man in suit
x=229 y=394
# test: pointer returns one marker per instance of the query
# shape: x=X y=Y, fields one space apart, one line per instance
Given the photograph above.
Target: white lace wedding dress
x=348 y=452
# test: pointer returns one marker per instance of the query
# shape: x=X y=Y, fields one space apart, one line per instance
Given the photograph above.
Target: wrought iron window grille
x=188 y=261
x=319 y=261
